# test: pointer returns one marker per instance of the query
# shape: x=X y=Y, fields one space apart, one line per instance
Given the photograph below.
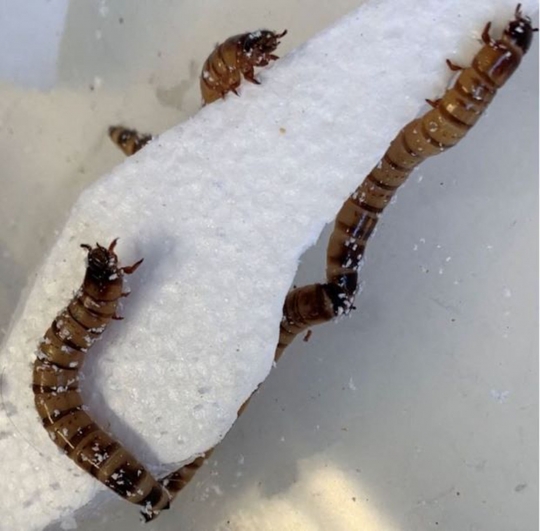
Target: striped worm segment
x=56 y=385
x=236 y=57
x=178 y=479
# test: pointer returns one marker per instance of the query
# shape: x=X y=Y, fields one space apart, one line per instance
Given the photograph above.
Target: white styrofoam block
x=221 y=208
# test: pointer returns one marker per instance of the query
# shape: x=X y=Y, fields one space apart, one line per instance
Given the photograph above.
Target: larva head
x=259 y=45
x=102 y=261
x=128 y=140
x=520 y=31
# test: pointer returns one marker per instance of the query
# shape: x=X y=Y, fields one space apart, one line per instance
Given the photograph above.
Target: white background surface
x=416 y=413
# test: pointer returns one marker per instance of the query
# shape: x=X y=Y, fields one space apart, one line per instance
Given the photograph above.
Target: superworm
x=128 y=140
x=56 y=385
x=236 y=57
x=442 y=127
x=451 y=118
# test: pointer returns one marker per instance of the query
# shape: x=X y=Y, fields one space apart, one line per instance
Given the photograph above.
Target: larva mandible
x=56 y=385
x=236 y=57
x=450 y=119
x=128 y=140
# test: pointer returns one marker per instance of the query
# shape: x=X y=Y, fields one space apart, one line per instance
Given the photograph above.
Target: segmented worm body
x=451 y=117
x=236 y=57
x=56 y=385
x=128 y=140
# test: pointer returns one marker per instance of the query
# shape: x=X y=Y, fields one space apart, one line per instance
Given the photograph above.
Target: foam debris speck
x=221 y=208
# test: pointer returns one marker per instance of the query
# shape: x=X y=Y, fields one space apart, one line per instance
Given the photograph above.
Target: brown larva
x=437 y=130
x=56 y=385
x=442 y=127
x=236 y=57
x=128 y=140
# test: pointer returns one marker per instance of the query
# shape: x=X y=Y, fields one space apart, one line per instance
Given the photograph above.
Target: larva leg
x=249 y=75
x=129 y=270
x=486 y=37
x=112 y=245
x=453 y=66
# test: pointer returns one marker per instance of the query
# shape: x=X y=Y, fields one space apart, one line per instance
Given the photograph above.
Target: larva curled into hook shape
x=445 y=125
x=56 y=385
x=236 y=57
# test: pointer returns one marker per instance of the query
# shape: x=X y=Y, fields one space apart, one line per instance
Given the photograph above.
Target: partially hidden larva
x=236 y=57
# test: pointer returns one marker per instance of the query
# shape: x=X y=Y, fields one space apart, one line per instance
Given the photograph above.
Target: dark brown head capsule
x=520 y=31
x=259 y=46
x=102 y=261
